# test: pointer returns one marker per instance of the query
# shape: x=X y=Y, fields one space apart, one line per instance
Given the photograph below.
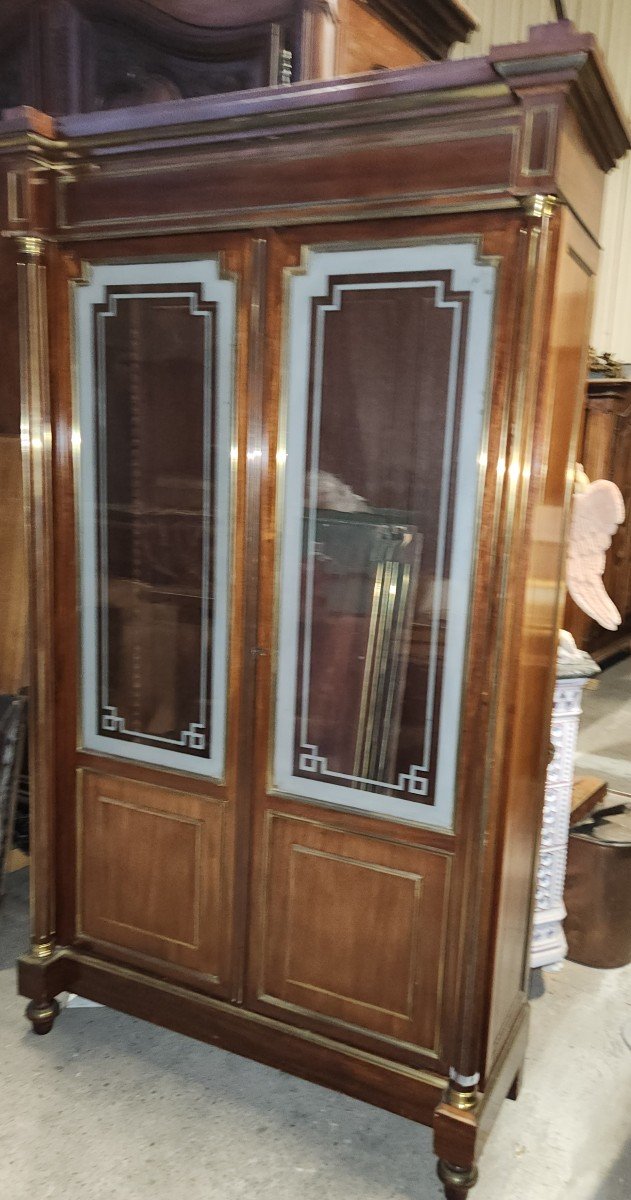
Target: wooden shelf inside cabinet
x=293 y=619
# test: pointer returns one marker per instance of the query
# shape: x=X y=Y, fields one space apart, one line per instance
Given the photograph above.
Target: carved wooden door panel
x=376 y=415
x=160 y=348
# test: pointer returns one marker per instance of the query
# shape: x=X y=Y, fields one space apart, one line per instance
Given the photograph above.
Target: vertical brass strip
x=358 y=768
x=37 y=484
x=385 y=648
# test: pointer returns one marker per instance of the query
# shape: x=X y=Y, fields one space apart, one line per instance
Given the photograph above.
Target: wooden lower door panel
x=150 y=872
x=351 y=930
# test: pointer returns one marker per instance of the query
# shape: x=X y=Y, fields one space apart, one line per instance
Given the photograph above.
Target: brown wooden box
x=597 y=895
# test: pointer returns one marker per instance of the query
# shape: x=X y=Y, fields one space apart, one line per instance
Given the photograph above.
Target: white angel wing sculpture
x=597 y=511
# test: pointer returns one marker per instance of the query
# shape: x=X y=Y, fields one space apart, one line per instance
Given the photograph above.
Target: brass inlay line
x=320 y=213
x=209 y=154
x=183 y=970
x=416 y=1075
x=287 y=1006
x=245 y=214
x=418 y=882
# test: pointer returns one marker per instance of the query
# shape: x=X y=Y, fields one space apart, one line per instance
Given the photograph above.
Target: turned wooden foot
x=42 y=1015
x=457 y=1181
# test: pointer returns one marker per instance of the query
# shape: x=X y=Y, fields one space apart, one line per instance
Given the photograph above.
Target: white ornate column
x=549 y=946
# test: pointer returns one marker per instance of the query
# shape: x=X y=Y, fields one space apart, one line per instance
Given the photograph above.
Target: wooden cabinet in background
x=68 y=56
x=605 y=452
x=298 y=445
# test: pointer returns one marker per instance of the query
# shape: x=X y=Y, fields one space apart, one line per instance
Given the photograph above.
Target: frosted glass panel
x=156 y=347
x=386 y=368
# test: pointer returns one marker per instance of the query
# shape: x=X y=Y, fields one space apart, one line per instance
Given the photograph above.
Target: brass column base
x=42 y=1015
x=457 y=1181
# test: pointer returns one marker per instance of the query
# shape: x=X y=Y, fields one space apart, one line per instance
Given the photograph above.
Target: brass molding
x=539 y=205
x=457 y=1177
x=43 y=949
x=464 y=1100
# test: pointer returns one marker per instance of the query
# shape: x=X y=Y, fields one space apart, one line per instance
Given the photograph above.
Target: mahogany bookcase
x=301 y=373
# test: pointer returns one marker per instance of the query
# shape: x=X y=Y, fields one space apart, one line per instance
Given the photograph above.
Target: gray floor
x=604 y=740
x=110 y=1107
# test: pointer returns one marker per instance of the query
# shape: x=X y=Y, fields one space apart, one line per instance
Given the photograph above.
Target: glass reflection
x=386 y=369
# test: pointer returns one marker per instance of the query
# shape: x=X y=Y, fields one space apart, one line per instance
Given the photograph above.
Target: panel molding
x=98 y=288
x=118 y=873
x=320 y=281
x=415 y=878
x=164 y=816
x=414 y=1025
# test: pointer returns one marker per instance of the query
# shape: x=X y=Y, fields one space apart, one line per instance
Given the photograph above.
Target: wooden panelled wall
x=502 y=21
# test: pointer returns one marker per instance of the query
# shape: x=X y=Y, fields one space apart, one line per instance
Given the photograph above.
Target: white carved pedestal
x=549 y=947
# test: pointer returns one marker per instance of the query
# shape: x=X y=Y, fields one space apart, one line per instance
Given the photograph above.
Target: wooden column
x=36 y=461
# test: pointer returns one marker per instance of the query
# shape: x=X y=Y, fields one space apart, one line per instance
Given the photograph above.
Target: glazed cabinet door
x=377 y=408
x=160 y=355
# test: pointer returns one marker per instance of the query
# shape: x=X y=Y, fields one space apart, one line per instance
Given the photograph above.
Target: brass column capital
x=43 y=949
x=539 y=205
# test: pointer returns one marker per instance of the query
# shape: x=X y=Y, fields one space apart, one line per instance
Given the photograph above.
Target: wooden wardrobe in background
x=604 y=450
x=67 y=56
x=302 y=374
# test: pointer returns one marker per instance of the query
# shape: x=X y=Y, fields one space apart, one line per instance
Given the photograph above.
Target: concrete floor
x=109 y=1107
x=604 y=739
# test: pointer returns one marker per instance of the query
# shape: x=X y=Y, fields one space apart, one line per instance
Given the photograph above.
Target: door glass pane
x=156 y=348
x=386 y=368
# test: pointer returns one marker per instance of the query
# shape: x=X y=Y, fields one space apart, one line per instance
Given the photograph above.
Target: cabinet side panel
x=552 y=460
x=366 y=43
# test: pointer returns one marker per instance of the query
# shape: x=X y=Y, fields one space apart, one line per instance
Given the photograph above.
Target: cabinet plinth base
x=42 y=1015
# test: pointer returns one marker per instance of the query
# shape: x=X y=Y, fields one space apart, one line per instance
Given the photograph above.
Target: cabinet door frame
x=464 y=843
x=238 y=256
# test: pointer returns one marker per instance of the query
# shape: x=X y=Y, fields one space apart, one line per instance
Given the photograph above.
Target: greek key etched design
x=155 y=346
